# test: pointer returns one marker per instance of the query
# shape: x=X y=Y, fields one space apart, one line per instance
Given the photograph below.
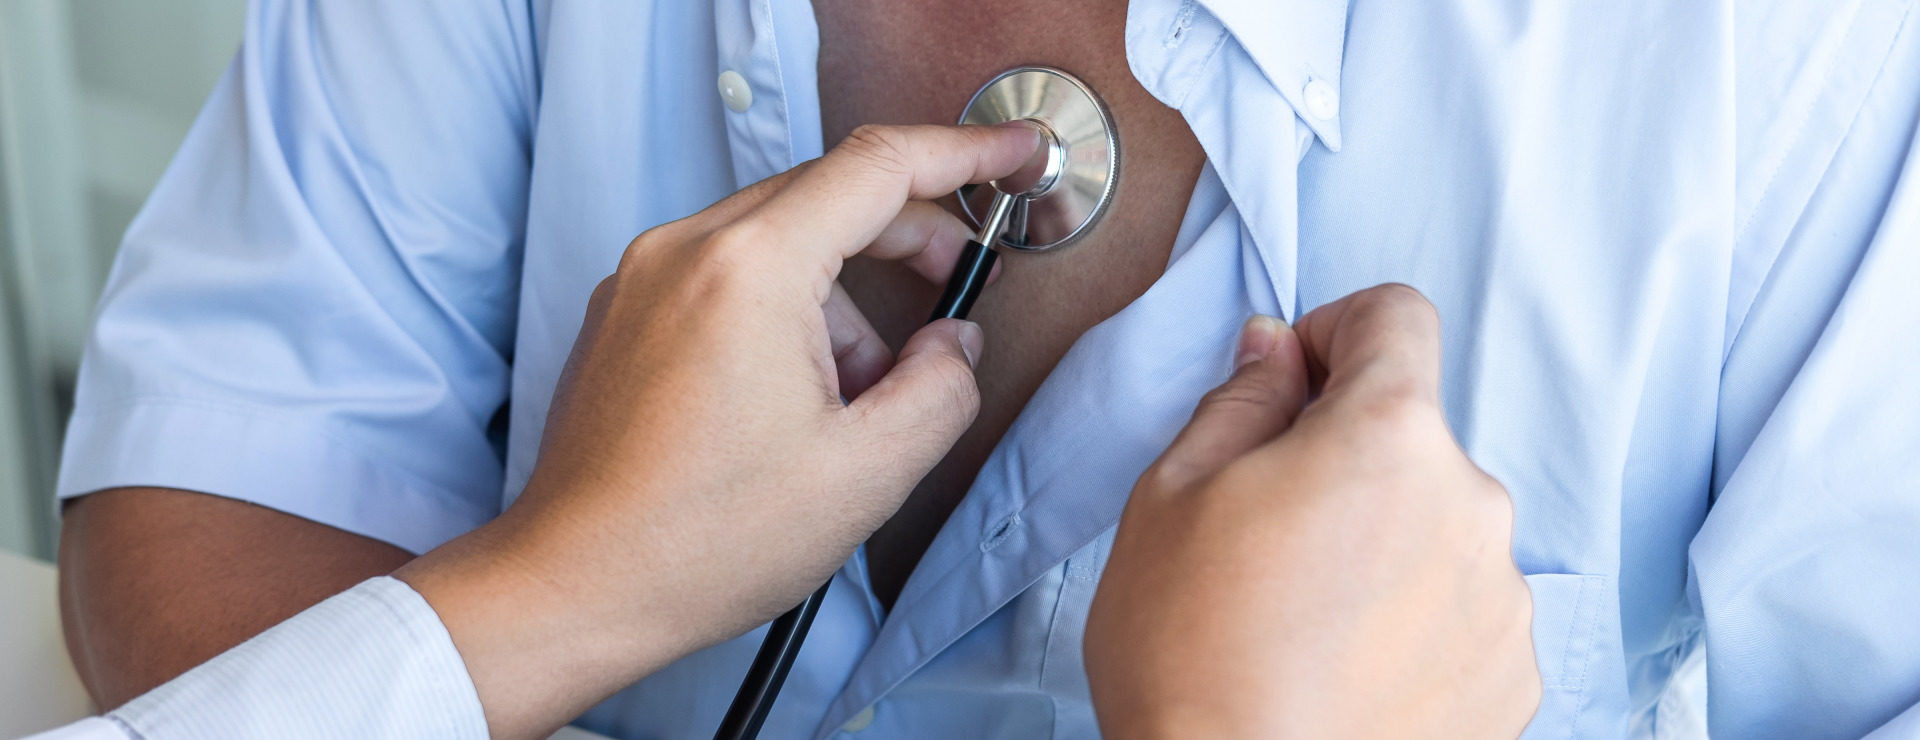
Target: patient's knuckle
x=1397 y=416
x=1514 y=617
x=1530 y=690
x=1499 y=506
x=1399 y=296
x=1519 y=602
x=602 y=293
x=1487 y=522
x=1166 y=475
x=1396 y=304
x=643 y=247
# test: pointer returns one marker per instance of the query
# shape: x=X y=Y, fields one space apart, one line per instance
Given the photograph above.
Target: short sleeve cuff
x=272 y=458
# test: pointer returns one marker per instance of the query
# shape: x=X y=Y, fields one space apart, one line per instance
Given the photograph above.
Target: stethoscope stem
x=785 y=633
x=975 y=264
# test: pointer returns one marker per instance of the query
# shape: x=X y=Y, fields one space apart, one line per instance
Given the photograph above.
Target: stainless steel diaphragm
x=1064 y=198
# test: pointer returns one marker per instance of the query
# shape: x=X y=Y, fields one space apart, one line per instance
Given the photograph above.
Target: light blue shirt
x=1674 y=247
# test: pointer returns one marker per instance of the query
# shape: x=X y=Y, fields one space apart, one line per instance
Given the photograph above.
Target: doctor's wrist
x=540 y=644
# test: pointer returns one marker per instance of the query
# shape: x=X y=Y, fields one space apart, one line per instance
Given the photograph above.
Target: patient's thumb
x=1267 y=391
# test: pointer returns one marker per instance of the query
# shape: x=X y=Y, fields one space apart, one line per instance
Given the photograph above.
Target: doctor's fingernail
x=1258 y=338
x=1039 y=133
x=971 y=341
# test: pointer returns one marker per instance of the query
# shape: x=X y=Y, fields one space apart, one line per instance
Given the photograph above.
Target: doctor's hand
x=1333 y=567
x=699 y=472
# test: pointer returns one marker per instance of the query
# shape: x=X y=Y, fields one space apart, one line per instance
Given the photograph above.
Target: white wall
x=94 y=97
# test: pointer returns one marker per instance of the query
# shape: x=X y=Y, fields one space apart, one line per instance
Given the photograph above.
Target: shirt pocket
x=1576 y=641
x=1575 y=626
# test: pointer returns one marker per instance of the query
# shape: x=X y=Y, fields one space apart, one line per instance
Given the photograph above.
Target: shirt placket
x=1046 y=493
x=768 y=53
x=767 y=56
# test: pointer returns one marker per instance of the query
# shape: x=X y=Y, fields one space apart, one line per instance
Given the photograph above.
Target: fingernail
x=1258 y=338
x=1029 y=126
x=971 y=341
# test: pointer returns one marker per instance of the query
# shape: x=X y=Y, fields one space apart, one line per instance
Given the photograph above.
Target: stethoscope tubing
x=769 y=670
x=786 y=633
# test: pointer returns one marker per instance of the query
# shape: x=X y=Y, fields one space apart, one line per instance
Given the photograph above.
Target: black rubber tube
x=969 y=278
x=769 y=670
x=787 y=632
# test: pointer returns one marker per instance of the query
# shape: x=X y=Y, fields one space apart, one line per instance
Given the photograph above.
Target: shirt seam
x=1205 y=63
x=1794 y=141
x=1799 y=131
x=1583 y=612
x=353 y=168
x=779 y=78
x=1046 y=654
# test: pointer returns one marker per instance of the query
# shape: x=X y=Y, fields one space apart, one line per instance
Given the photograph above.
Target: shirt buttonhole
x=999 y=531
x=1182 y=20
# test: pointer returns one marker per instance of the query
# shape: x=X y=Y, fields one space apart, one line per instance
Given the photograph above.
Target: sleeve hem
x=274 y=459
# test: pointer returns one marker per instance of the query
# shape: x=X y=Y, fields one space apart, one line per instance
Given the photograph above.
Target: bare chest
x=883 y=61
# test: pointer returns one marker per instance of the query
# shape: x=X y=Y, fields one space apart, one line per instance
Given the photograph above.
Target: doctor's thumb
x=923 y=404
x=1267 y=391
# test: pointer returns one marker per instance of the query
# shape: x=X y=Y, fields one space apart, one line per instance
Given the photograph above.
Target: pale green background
x=95 y=95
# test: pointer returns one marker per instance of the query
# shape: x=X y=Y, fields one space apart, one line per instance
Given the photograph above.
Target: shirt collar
x=1296 y=44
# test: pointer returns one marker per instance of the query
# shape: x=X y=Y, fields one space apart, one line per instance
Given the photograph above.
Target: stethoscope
x=1050 y=203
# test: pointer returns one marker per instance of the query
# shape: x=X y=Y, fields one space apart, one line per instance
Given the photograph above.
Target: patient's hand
x=1333 y=568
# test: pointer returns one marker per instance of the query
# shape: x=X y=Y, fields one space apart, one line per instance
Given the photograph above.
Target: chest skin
x=899 y=63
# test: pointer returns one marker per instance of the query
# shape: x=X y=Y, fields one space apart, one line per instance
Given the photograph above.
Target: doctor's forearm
x=156 y=581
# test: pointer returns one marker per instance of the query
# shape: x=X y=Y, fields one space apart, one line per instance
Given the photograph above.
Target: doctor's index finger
x=844 y=200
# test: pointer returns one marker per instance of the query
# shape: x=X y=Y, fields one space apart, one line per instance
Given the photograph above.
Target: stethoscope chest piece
x=1083 y=162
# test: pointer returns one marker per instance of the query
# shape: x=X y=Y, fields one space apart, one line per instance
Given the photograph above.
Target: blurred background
x=95 y=95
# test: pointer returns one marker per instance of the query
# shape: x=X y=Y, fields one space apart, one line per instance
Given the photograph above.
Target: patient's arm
x=155 y=581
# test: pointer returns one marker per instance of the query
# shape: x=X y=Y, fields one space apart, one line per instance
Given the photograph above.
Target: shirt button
x=735 y=92
x=1323 y=102
x=859 y=722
